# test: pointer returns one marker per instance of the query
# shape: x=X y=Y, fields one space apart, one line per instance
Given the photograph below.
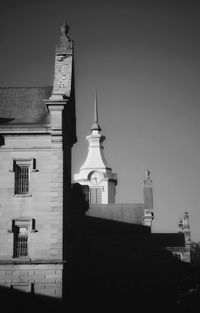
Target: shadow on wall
x=17 y=301
x=113 y=265
x=2 y=141
x=110 y=266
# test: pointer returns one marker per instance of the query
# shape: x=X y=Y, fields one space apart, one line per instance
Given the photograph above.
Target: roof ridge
x=24 y=87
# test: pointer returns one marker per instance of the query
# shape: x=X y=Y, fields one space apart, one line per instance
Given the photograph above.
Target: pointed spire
x=95 y=125
x=95 y=109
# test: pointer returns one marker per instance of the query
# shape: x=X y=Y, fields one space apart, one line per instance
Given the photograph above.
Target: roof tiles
x=24 y=105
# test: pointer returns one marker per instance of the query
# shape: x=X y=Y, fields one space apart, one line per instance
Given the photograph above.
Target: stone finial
x=147 y=180
x=64 y=31
x=186 y=224
x=180 y=226
x=147 y=174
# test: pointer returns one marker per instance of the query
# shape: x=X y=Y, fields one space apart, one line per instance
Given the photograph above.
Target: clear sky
x=143 y=57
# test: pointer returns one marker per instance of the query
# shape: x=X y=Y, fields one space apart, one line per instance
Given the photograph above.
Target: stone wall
x=44 y=279
x=43 y=204
x=41 y=209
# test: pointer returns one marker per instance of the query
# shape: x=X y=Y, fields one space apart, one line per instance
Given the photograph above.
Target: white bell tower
x=95 y=171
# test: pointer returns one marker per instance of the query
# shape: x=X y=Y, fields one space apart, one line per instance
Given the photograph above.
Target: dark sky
x=143 y=57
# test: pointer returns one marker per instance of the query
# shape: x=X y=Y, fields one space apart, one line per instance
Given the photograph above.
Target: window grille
x=21 y=179
x=21 y=243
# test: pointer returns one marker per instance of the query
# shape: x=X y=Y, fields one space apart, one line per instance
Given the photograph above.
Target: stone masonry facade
x=40 y=279
x=42 y=207
x=32 y=192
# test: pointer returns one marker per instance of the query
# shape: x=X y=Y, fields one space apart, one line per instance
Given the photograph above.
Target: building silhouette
x=97 y=175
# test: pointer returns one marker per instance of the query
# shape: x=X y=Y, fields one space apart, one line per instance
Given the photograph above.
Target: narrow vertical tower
x=95 y=171
x=184 y=227
x=61 y=109
x=62 y=85
x=148 y=200
x=187 y=234
x=180 y=226
x=63 y=66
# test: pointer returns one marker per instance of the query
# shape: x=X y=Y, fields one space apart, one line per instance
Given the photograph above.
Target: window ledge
x=22 y=196
x=21 y=260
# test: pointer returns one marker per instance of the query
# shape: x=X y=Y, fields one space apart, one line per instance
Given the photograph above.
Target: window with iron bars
x=22 y=179
x=21 y=242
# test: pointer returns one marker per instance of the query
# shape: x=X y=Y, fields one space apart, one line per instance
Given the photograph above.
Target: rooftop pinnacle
x=64 y=31
x=95 y=125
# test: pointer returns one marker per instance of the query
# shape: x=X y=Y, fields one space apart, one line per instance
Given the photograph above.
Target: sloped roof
x=125 y=212
x=24 y=105
x=164 y=240
x=100 y=226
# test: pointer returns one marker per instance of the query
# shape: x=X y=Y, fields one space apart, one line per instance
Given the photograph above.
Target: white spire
x=95 y=171
x=95 y=125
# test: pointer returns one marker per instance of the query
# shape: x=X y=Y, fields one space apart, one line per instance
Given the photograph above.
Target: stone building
x=37 y=131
